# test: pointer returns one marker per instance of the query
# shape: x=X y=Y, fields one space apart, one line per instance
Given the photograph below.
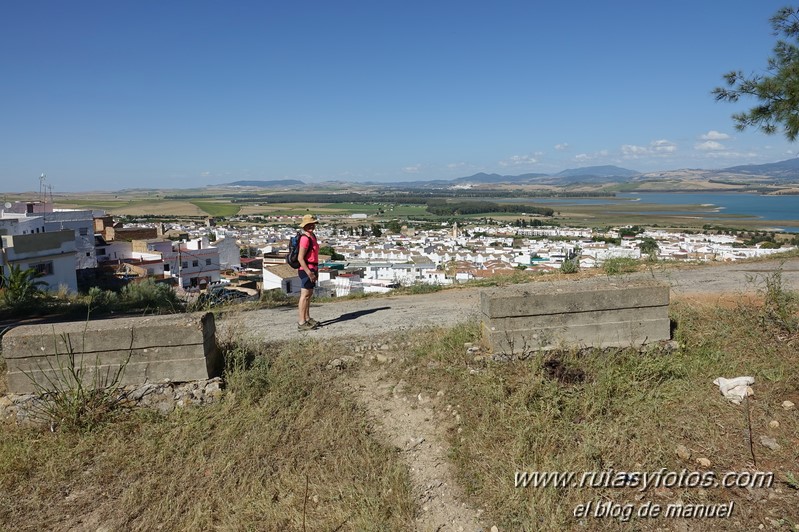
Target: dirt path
x=377 y=316
x=416 y=425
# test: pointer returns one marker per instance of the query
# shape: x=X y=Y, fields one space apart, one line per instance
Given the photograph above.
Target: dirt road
x=381 y=315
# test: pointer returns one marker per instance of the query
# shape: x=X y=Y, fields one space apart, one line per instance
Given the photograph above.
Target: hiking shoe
x=315 y=324
x=307 y=326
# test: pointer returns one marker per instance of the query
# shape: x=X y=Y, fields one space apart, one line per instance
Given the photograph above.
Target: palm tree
x=21 y=287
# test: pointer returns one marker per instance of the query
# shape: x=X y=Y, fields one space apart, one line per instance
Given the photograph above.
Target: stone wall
x=175 y=348
x=163 y=397
x=590 y=313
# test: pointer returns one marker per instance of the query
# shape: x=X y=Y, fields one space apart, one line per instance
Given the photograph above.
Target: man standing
x=308 y=272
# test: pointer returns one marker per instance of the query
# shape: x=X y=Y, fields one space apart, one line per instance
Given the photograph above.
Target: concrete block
x=589 y=313
x=177 y=347
x=609 y=334
x=579 y=296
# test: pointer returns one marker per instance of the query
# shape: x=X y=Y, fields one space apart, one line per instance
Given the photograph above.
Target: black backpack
x=293 y=258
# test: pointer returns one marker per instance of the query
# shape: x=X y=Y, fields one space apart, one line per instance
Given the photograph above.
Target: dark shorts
x=305 y=281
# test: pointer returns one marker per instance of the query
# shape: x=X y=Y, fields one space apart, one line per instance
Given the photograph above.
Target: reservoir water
x=715 y=207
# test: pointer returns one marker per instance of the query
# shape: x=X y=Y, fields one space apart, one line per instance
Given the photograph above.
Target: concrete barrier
x=178 y=347
x=588 y=313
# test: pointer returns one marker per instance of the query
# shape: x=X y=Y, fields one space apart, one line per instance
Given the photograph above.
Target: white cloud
x=661 y=147
x=730 y=155
x=455 y=166
x=415 y=169
x=632 y=150
x=710 y=145
x=583 y=157
x=714 y=135
x=562 y=147
x=519 y=160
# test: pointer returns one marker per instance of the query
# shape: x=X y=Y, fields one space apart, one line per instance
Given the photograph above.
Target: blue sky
x=111 y=95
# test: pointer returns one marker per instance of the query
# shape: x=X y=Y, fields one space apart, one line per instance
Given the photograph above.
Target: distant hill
x=598 y=171
x=590 y=174
x=787 y=168
x=483 y=178
x=778 y=173
x=265 y=184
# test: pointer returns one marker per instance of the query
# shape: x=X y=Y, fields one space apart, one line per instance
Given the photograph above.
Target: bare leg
x=304 y=307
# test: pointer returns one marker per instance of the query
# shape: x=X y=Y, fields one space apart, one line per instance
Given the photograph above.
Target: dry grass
x=3 y=384
x=243 y=464
x=626 y=411
x=239 y=465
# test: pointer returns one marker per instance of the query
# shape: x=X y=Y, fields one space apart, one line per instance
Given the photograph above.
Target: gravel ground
x=378 y=316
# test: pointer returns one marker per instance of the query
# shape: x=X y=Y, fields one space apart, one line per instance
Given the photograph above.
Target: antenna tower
x=41 y=187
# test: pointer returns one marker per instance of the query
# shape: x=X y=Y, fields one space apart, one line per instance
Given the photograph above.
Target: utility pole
x=180 y=264
x=41 y=187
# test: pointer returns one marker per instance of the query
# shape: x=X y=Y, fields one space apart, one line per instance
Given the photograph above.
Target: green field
x=389 y=209
x=679 y=217
x=217 y=208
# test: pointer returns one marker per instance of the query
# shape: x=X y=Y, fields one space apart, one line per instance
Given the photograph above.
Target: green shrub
x=103 y=300
x=418 y=288
x=619 y=265
x=274 y=298
x=21 y=287
x=149 y=295
x=570 y=266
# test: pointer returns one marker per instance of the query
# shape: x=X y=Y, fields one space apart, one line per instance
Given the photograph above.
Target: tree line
x=445 y=208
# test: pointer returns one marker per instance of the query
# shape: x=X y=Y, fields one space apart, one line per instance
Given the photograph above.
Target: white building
x=20 y=224
x=281 y=277
x=194 y=263
x=82 y=225
x=229 y=253
x=51 y=254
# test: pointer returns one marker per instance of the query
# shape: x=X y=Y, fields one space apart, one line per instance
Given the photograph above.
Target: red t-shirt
x=312 y=256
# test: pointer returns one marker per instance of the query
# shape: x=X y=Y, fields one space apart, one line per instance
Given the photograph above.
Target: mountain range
x=778 y=173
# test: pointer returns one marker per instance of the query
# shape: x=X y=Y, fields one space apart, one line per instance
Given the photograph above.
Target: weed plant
x=287 y=448
x=619 y=265
x=780 y=305
x=274 y=298
x=418 y=288
x=624 y=411
x=569 y=266
x=149 y=296
x=74 y=395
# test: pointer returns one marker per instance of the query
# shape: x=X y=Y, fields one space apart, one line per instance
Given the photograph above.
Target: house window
x=288 y=287
x=43 y=268
x=184 y=264
x=101 y=251
x=88 y=254
x=150 y=271
x=207 y=262
x=166 y=267
x=83 y=231
x=195 y=263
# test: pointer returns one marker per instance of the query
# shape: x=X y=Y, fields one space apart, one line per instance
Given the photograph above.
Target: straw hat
x=308 y=219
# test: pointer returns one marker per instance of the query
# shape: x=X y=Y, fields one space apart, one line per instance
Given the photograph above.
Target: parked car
x=220 y=295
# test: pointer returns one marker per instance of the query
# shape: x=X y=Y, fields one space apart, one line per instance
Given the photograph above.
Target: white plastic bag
x=735 y=389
